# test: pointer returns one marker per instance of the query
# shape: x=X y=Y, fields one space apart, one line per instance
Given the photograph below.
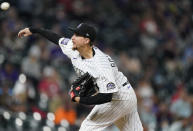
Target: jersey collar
x=92 y=51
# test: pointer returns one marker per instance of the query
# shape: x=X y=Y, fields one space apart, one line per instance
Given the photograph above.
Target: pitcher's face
x=79 y=41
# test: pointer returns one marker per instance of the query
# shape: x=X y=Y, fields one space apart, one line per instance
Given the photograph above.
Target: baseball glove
x=83 y=86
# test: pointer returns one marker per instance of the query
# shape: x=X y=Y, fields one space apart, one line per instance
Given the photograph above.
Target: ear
x=87 y=40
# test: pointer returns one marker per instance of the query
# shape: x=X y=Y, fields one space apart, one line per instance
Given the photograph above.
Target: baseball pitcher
x=99 y=82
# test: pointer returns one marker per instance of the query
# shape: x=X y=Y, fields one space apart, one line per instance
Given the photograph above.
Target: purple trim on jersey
x=65 y=41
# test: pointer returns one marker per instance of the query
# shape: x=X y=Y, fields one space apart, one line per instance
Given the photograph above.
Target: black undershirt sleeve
x=53 y=37
x=100 y=98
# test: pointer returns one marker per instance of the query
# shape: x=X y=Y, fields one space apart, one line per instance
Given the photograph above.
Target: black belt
x=124 y=84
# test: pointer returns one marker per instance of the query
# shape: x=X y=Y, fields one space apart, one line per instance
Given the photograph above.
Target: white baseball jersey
x=122 y=108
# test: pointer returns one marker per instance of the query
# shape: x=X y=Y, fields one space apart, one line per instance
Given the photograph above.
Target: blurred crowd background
x=150 y=40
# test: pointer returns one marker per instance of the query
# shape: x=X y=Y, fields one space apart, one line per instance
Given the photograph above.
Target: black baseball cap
x=85 y=30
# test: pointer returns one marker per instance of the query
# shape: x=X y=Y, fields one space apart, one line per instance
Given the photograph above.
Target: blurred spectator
x=182 y=106
x=131 y=66
x=31 y=64
x=184 y=125
x=65 y=111
x=148 y=117
x=149 y=31
x=188 y=55
x=49 y=84
x=164 y=117
x=6 y=95
x=9 y=73
x=145 y=94
x=20 y=95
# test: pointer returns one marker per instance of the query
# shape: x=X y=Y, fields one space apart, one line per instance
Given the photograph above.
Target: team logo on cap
x=87 y=34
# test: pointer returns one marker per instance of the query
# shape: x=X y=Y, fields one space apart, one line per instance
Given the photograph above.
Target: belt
x=124 y=84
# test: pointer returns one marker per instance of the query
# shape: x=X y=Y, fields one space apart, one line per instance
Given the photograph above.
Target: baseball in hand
x=5 y=5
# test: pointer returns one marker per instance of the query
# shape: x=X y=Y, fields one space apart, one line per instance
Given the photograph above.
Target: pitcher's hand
x=24 y=32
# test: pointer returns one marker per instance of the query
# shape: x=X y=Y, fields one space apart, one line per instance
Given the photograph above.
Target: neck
x=86 y=52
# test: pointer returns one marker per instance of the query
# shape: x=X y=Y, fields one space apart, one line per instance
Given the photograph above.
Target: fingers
x=26 y=35
x=24 y=32
x=21 y=33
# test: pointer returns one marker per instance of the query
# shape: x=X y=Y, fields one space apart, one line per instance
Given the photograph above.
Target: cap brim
x=72 y=29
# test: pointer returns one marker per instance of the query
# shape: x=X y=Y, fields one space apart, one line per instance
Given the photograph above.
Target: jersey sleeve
x=66 y=45
x=106 y=82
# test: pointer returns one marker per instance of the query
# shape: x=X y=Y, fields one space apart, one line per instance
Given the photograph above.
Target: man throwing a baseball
x=115 y=101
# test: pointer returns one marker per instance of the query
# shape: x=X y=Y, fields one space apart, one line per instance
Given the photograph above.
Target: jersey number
x=111 y=62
